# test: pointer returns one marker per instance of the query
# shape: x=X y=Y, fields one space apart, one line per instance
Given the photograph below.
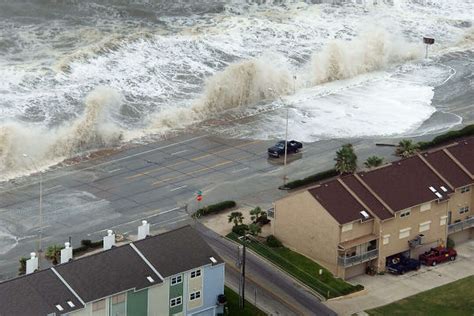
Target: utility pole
x=243 y=239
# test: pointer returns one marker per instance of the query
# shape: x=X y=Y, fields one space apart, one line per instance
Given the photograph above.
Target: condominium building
x=174 y=273
x=365 y=218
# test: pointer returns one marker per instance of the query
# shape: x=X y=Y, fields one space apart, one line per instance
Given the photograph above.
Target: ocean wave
x=92 y=130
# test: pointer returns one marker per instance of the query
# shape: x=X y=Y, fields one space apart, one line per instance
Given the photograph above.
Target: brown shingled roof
x=464 y=153
x=338 y=202
x=367 y=198
x=448 y=168
x=405 y=183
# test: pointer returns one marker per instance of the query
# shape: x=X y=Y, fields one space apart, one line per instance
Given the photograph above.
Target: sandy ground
x=384 y=289
x=220 y=222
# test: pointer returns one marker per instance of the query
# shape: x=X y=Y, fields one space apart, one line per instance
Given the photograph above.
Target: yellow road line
x=193 y=159
x=193 y=172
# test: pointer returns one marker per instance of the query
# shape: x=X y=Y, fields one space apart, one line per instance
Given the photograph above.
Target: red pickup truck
x=437 y=255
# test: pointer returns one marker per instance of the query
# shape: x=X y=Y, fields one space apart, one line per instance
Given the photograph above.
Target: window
x=425 y=226
x=464 y=209
x=386 y=239
x=71 y=304
x=442 y=220
x=271 y=212
x=98 y=306
x=425 y=207
x=119 y=298
x=404 y=233
x=59 y=307
x=195 y=273
x=465 y=189
x=176 y=280
x=175 y=301
x=194 y=295
x=405 y=213
x=347 y=227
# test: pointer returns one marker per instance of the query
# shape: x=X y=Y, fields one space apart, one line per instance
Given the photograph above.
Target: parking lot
x=384 y=289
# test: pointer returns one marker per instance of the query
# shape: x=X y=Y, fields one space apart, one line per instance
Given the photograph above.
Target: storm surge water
x=92 y=130
x=86 y=75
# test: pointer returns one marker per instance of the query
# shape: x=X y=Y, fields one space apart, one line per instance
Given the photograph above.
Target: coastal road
x=156 y=180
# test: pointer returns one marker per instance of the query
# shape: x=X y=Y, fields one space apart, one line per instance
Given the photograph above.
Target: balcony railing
x=457 y=227
x=366 y=256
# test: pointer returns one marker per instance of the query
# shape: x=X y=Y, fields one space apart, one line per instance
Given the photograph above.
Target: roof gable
x=463 y=151
x=448 y=168
x=177 y=251
x=405 y=183
x=338 y=201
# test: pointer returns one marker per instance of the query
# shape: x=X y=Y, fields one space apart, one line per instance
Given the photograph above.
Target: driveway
x=384 y=289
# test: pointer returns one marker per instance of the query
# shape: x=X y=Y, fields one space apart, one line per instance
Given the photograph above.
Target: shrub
x=215 y=208
x=255 y=229
x=450 y=243
x=86 y=242
x=449 y=136
x=273 y=242
x=312 y=179
x=240 y=229
x=22 y=268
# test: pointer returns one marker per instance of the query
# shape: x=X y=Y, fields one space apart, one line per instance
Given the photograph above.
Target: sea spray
x=368 y=52
x=239 y=85
x=92 y=130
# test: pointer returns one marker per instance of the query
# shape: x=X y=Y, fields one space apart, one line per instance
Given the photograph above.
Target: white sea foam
x=92 y=130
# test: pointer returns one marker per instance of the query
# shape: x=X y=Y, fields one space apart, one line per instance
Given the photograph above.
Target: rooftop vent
x=66 y=253
x=109 y=240
x=32 y=263
x=365 y=214
x=213 y=260
x=444 y=189
x=143 y=230
x=150 y=279
x=71 y=304
x=59 y=307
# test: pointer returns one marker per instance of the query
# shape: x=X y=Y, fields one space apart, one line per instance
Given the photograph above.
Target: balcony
x=457 y=227
x=353 y=260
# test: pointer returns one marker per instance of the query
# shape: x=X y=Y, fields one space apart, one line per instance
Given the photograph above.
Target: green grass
x=233 y=305
x=303 y=269
x=456 y=299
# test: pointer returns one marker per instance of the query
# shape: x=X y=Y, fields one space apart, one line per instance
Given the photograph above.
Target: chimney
x=109 y=240
x=32 y=263
x=143 y=230
x=66 y=253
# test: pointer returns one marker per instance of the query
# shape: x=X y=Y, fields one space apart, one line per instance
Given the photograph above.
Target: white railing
x=366 y=256
x=465 y=224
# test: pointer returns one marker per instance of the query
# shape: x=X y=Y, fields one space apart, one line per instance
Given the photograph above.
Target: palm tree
x=255 y=214
x=373 y=161
x=236 y=217
x=255 y=229
x=346 y=159
x=54 y=253
x=406 y=148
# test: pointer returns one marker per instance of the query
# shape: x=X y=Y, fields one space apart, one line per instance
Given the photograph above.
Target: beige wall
x=459 y=200
x=393 y=226
x=194 y=284
x=156 y=296
x=302 y=224
x=87 y=310
x=358 y=230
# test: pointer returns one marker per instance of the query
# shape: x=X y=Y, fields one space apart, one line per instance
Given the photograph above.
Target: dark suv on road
x=279 y=148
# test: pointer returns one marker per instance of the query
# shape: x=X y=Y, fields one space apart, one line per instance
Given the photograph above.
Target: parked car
x=279 y=148
x=438 y=255
x=402 y=264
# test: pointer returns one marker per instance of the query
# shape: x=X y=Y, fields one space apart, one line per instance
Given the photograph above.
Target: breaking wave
x=266 y=78
x=366 y=53
x=92 y=130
